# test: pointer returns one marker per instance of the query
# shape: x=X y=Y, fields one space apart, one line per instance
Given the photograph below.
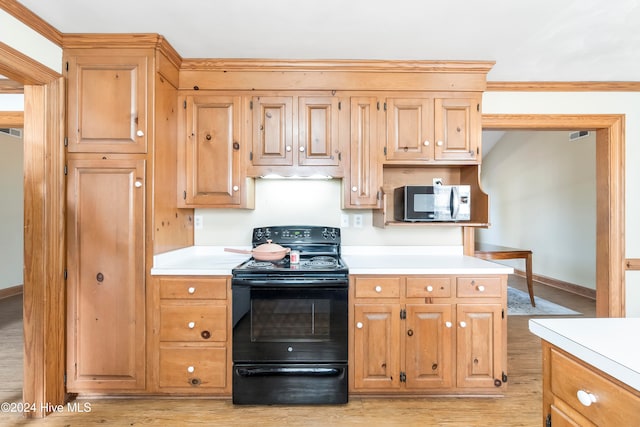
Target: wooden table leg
x=529 y=274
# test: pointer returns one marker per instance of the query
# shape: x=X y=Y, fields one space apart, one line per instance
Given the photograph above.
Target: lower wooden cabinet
x=577 y=394
x=428 y=335
x=193 y=336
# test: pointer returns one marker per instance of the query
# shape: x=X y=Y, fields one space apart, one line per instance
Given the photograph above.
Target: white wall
x=543 y=197
x=11 y=211
x=627 y=103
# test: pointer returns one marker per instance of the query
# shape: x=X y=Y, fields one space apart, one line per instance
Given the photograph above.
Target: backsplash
x=310 y=202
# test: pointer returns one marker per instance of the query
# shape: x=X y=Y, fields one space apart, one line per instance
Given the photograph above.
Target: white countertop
x=608 y=344
x=213 y=260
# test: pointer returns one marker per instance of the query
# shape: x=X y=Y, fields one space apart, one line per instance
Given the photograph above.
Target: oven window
x=290 y=319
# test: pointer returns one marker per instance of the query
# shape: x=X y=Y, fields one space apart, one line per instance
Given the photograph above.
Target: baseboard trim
x=9 y=292
x=559 y=284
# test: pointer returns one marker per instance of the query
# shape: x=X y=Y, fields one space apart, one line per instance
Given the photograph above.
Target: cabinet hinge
x=385 y=150
x=503 y=313
x=403 y=377
x=185 y=105
x=478 y=107
x=66 y=170
x=251 y=105
x=477 y=150
x=67 y=66
x=547 y=421
x=504 y=377
x=64 y=378
x=385 y=106
x=65 y=274
x=184 y=195
x=66 y=141
x=378 y=105
x=403 y=314
x=340 y=156
x=250 y=155
x=379 y=195
x=339 y=105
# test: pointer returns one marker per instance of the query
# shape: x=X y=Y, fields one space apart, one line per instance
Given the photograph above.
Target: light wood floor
x=521 y=406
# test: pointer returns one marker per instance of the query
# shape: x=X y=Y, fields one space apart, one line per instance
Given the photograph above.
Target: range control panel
x=296 y=234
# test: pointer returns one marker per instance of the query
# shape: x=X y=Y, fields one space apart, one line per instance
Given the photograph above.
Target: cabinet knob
x=448 y=324
x=191 y=325
x=480 y=288
x=288 y=148
x=359 y=325
x=439 y=143
x=586 y=398
x=301 y=149
x=236 y=188
x=191 y=290
x=140 y=133
x=463 y=324
x=426 y=143
x=378 y=289
x=190 y=369
x=354 y=188
x=138 y=184
x=429 y=288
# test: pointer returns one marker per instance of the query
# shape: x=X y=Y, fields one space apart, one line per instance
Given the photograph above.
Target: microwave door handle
x=455 y=202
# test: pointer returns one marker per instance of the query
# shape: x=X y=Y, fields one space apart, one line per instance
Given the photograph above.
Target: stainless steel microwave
x=424 y=203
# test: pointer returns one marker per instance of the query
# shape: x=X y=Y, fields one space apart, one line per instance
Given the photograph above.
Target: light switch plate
x=357 y=221
x=344 y=221
x=198 y=222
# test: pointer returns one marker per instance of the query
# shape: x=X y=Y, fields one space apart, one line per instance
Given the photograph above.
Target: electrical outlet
x=198 y=222
x=344 y=220
x=357 y=221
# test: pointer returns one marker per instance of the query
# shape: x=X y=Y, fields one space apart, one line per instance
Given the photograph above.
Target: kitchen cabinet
x=578 y=394
x=428 y=334
x=296 y=135
x=362 y=184
x=106 y=273
x=440 y=128
x=107 y=101
x=193 y=335
x=211 y=166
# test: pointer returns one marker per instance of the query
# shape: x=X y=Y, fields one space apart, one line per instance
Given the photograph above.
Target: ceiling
x=541 y=40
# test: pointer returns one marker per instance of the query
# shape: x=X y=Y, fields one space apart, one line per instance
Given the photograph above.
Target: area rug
x=518 y=304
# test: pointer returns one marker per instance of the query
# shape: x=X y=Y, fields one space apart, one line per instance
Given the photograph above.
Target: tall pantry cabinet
x=112 y=108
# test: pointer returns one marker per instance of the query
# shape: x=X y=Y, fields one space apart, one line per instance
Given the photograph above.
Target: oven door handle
x=289 y=371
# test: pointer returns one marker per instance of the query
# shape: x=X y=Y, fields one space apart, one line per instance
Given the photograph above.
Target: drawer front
x=193 y=322
x=614 y=405
x=428 y=287
x=183 y=288
x=373 y=287
x=478 y=287
x=193 y=367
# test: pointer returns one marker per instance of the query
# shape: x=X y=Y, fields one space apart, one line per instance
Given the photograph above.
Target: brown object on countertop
x=489 y=251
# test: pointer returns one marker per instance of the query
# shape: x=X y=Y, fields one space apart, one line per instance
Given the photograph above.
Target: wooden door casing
x=106 y=296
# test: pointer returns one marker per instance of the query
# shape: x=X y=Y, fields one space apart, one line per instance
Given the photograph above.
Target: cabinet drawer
x=196 y=367
x=193 y=322
x=374 y=287
x=426 y=287
x=488 y=287
x=173 y=288
x=614 y=405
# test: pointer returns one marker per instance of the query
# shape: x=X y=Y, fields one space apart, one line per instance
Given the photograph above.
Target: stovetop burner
x=312 y=263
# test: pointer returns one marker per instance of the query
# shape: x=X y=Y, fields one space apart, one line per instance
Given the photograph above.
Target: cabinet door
x=106 y=308
x=479 y=345
x=272 y=130
x=457 y=124
x=409 y=129
x=212 y=174
x=107 y=99
x=318 y=131
x=376 y=346
x=365 y=174
x=429 y=349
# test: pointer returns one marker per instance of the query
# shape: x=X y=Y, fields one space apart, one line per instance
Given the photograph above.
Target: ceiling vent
x=578 y=134
x=11 y=131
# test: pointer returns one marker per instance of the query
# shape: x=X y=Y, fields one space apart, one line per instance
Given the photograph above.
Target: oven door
x=282 y=324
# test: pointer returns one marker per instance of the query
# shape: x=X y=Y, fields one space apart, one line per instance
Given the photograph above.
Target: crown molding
x=33 y=21
x=563 y=86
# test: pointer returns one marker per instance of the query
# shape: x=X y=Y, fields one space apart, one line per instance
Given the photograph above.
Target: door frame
x=44 y=214
x=610 y=193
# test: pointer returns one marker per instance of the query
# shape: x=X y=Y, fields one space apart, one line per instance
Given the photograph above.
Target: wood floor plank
x=521 y=405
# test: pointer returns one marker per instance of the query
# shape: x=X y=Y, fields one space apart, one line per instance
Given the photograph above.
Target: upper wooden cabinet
x=210 y=153
x=433 y=130
x=295 y=135
x=107 y=101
